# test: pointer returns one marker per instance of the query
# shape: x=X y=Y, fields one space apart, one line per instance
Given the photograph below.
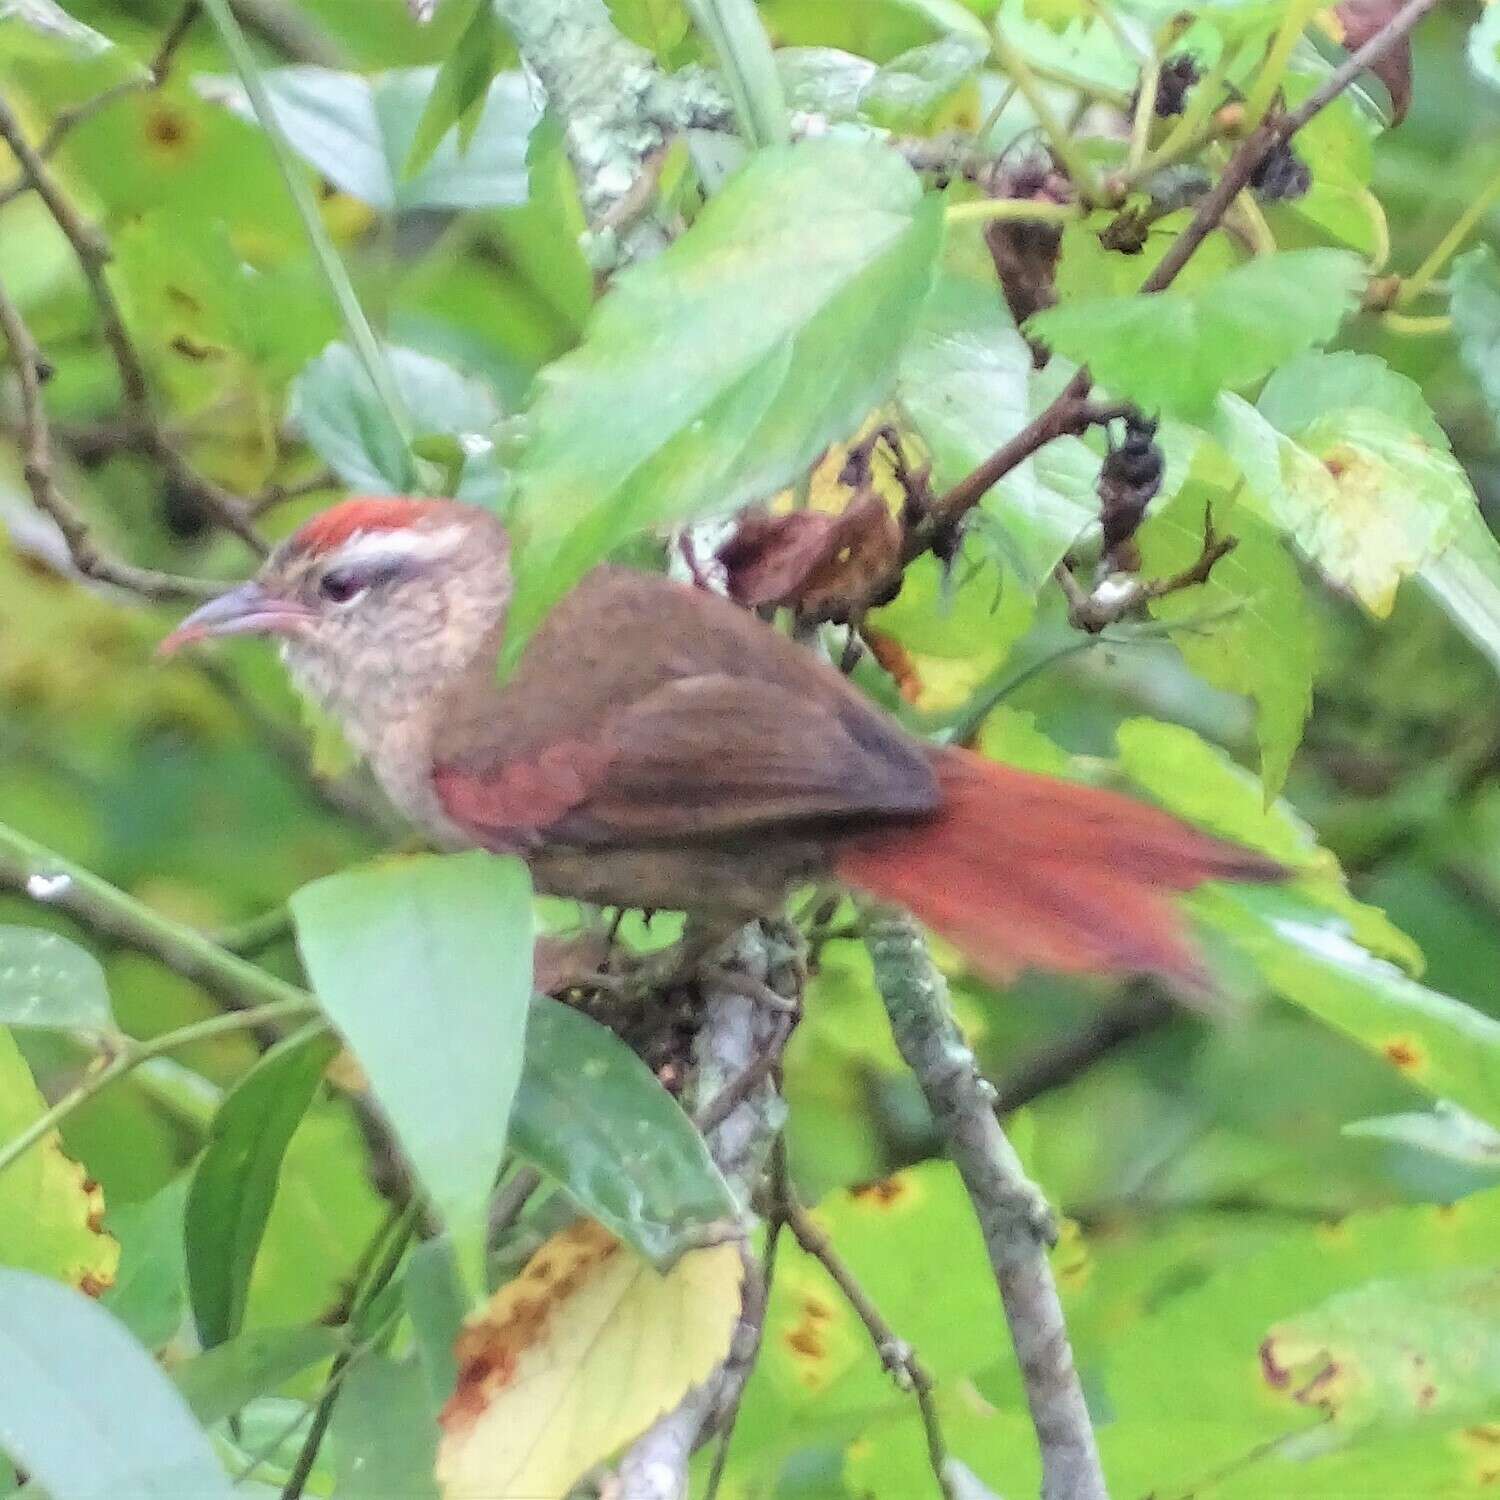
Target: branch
x=1272 y=134
x=36 y=460
x=616 y=105
x=1013 y=1216
x=93 y=255
x=738 y=1028
x=35 y=872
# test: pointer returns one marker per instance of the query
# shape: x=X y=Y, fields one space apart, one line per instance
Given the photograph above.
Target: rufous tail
x=1025 y=871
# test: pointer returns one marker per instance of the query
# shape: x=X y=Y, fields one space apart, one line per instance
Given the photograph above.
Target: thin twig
x=1271 y=134
x=129 y=1054
x=92 y=252
x=36 y=461
x=1013 y=1216
x=898 y=1357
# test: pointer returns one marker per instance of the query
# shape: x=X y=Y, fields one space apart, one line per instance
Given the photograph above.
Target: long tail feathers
x=1022 y=871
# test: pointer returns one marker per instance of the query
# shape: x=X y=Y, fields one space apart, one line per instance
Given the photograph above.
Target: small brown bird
x=657 y=746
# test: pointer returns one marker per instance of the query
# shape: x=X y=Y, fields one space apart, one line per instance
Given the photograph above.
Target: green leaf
x=1475 y=303
x=424 y=965
x=384 y=1433
x=1484 y=47
x=1256 y=632
x=1449 y=1320
x=83 y=1407
x=150 y=1289
x=1314 y=385
x=235 y=1181
x=460 y=87
x=909 y=90
x=45 y=980
x=54 y=24
x=1177 y=350
x=1445 y=1130
x=714 y=374
x=620 y=1144
x=221 y=1381
x=948 y=15
x=1199 y=782
x=1363 y=496
x=1465 y=579
x=1444 y=1046
x=338 y=412
x=435 y=1301
x=359 y=133
x=50 y=1208
x=965 y=384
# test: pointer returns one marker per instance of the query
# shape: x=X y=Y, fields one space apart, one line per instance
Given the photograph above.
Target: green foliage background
x=1252 y=1202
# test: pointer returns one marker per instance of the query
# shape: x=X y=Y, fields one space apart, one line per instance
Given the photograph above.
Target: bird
x=657 y=746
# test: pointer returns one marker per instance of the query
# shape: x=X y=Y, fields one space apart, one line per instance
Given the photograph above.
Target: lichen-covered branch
x=738 y=1029
x=616 y=106
x=1013 y=1216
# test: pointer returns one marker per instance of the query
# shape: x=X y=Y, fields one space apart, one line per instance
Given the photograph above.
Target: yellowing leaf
x=577 y=1356
x=51 y=1212
x=1364 y=497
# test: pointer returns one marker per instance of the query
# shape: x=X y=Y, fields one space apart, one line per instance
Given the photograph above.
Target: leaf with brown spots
x=51 y=1210
x=577 y=1356
x=1394 y=1351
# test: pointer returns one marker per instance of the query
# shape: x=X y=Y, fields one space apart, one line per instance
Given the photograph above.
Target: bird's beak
x=246 y=610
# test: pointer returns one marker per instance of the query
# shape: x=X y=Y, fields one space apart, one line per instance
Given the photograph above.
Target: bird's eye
x=340 y=585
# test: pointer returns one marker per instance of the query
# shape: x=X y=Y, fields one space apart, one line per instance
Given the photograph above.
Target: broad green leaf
x=659 y=25
x=1484 y=47
x=424 y=965
x=1316 y=385
x=948 y=16
x=50 y=21
x=384 y=1433
x=964 y=383
x=1445 y=1130
x=359 y=132
x=1200 y=783
x=592 y=1116
x=824 y=80
x=222 y=1381
x=1237 y=1401
x=1475 y=304
x=1408 y=1349
x=1176 y=351
x=1308 y=956
x=235 y=1181
x=335 y=406
x=908 y=91
x=149 y=1295
x=45 y=980
x=1256 y=633
x=1363 y=496
x=51 y=1210
x=576 y=1356
x=715 y=373
x=83 y=1408
x=461 y=84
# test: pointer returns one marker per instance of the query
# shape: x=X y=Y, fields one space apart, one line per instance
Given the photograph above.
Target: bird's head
x=378 y=604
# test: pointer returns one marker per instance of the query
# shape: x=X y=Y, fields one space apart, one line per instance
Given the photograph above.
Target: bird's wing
x=699 y=757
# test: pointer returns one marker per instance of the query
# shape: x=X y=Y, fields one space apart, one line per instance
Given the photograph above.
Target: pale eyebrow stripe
x=373 y=547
